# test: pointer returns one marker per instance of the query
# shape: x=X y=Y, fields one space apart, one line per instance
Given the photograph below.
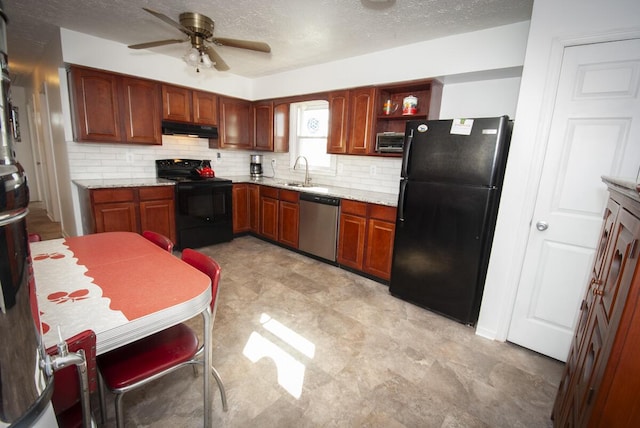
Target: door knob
x=542 y=226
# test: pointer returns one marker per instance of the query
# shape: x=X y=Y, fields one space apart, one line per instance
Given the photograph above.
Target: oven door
x=203 y=214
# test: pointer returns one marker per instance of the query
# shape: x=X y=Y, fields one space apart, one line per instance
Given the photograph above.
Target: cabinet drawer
x=160 y=192
x=101 y=196
x=354 y=207
x=268 y=192
x=289 y=196
x=382 y=212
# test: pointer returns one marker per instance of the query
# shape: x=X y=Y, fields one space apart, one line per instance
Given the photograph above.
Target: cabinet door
x=176 y=103
x=263 y=125
x=235 y=124
x=289 y=223
x=241 y=219
x=141 y=102
x=361 y=110
x=116 y=217
x=96 y=108
x=379 y=250
x=269 y=218
x=205 y=108
x=351 y=240
x=158 y=216
x=281 y=128
x=254 y=207
x=338 y=122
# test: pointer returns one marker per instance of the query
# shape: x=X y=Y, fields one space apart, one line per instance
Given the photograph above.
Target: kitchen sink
x=309 y=187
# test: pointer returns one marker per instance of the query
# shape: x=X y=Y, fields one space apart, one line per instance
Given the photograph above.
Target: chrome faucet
x=307 y=180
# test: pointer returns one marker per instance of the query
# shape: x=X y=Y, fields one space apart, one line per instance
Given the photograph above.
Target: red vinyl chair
x=134 y=365
x=71 y=403
x=159 y=239
x=34 y=237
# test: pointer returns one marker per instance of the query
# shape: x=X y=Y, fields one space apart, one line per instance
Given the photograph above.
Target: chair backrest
x=34 y=237
x=206 y=265
x=159 y=239
x=67 y=388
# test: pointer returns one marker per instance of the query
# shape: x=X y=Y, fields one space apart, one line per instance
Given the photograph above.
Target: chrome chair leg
x=103 y=400
x=119 y=411
x=223 y=394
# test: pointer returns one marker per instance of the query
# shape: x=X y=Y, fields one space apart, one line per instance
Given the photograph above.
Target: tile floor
x=300 y=343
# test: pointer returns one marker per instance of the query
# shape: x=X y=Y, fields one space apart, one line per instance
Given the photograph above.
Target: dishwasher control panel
x=320 y=199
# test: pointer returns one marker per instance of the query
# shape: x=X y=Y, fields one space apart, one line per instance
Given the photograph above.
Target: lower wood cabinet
x=366 y=235
x=129 y=209
x=241 y=213
x=600 y=385
x=288 y=218
x=269 y=212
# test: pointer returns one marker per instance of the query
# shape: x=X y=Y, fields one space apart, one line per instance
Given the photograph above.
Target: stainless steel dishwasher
x=318 y=225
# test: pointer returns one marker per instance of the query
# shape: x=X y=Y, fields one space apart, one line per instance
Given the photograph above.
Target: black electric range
x=203 y=204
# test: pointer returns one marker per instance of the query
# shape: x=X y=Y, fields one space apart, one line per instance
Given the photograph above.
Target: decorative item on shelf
x=389 y=107
x=409 y=105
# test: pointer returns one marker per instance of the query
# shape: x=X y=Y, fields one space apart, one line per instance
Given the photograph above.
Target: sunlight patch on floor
x=290 y=371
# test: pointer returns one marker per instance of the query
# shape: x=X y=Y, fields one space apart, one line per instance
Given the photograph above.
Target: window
x=309 y=130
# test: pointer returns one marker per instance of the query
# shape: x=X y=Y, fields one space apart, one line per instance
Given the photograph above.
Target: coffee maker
x=255 y=168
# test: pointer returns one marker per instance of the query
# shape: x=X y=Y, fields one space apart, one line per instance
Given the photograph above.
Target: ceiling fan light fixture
x=191 y=57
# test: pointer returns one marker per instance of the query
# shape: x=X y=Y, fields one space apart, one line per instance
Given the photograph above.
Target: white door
x=595 y=131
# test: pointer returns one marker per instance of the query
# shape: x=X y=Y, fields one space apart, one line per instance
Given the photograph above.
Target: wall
x=493 y=49
x=552 y=23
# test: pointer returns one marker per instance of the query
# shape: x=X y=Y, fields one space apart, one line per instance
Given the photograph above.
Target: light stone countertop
x=389 y=199
x=123 y=182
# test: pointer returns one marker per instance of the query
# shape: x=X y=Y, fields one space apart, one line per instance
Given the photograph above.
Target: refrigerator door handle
x=405 y=154
x=403 y=186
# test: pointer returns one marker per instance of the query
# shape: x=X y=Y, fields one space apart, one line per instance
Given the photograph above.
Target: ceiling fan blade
x=243 y=44
x=170 y=21
x=219 y=63
x=154 y=44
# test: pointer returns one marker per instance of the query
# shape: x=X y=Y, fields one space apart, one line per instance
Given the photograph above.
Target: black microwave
x=389 y=142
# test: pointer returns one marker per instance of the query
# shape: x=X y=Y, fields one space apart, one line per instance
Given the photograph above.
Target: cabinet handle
x=598 y=291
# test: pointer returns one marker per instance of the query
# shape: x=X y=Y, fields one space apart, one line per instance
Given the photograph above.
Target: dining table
x=121 y=286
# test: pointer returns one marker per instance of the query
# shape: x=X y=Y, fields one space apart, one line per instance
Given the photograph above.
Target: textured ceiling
x=300 y=32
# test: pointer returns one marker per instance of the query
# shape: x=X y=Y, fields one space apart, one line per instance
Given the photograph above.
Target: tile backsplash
x=104 y=161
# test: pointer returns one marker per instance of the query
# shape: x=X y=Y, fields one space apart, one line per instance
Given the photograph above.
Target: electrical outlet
x=128 y=157
x=218 y=158
x=373 y=170
x=273 y=163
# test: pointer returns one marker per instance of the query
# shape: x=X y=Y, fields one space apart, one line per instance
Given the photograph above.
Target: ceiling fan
x=199 y=28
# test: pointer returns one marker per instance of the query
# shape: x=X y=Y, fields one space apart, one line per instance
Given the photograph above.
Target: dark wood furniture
x=600 y=386
x=129 y=209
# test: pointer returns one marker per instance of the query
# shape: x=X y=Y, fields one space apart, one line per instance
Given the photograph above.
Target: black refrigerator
x=451 y=179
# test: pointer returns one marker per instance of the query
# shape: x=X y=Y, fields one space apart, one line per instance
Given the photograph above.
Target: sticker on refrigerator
x=461 y=126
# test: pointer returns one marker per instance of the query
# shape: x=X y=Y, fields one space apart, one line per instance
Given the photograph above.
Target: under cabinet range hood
x=189 y=129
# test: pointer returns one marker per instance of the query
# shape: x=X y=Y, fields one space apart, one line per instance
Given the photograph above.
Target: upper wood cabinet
x=108 y=107
x=187 y=105
x=205 y=108
x=338 y=122
x=140 y=97
x=263 y=122
x=361 y=120
x=281 y=127
x=236 y=127
x=176 y=103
